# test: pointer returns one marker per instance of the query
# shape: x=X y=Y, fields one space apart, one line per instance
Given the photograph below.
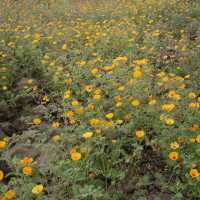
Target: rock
x=24 y=150
x=7 y=128
x=26 y=82
x=40 y=109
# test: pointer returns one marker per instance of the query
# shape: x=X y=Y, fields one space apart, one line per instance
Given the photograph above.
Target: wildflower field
x=100 y=99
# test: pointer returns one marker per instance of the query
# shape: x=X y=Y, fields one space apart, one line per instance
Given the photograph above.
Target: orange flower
x=140 y=134
x=173 y=155
x=26 y=160
x=198 y=138
x=91 y=107
x=27 y=170
x=75 y=156
x=72 y=150
x=79 y=110
x=69 y=114
x=137 y=74
x=194 y=128
x=194 y=173
x=94 y=121
x=1 y=175
x=10 y=194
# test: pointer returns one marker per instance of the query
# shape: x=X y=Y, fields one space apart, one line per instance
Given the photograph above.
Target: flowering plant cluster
x=100 y=100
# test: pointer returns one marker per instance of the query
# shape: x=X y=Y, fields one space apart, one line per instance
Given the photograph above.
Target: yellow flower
x=117 y=99
x=194 y=105
x=152 y=102
x=45 y=98
x=168 y=107
x=194 y=173
x=88 y=135
x=64 y=46
x=169 y=121
x=97 y=91
x=37 y=121
x=174 y=145
x=1 y=175
x=81 y=63
x=141 y=62
x=94 y=71
x=156 y=33
x=192 y=140
x=113 y=141
x=121 y=88
x=68 y=81
x=27 y=170
x=88 y=88
x=119 y=121
x=98 y=131
x=38 y=189
x=56 y=138
x=171 y=93
x=67 y=94
x=74 y=103
x=137 y=74
x=29 y=81
x=173 y=155
x=46 y=57
x=192 y=95
x=55 y=125
x=35 y=41
x=140 y=134
x=75 y=156
x=107 y=123
x=97 y=97
x=135 y=103
x=10 y=194
x=3 y=144
x=109 y=115
x=118 y=104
